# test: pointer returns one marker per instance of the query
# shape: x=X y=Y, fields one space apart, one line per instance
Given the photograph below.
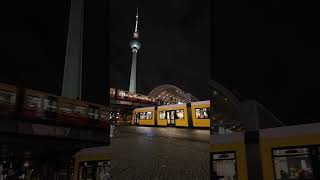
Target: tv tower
x=135 y=46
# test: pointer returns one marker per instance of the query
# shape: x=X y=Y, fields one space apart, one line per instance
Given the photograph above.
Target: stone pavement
x=149 y=153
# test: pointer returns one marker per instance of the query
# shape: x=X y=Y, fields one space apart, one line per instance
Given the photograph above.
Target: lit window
x=202 y=113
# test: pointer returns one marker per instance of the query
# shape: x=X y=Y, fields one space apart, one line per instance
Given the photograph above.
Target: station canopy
x=169 y=94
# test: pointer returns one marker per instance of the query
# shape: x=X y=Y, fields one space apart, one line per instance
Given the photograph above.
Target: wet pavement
x=153 y=153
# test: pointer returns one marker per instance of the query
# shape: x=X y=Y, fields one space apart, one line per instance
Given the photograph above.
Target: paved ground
x=149 y=153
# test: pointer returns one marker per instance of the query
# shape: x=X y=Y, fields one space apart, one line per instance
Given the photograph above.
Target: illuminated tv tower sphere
x=135 y=44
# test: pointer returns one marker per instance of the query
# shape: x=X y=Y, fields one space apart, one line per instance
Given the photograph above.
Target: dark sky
x=175 y=44
x=268 y=50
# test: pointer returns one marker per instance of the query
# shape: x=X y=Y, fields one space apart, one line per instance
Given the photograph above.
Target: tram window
x=149 y=115
x=292 y=163
x=7 y=97
x=180 y=114
x=224 y=165
x=162 y=114
x=202 y=113
x=33 y=102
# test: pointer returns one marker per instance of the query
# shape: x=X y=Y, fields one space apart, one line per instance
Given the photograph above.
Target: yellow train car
x=200 y=113
x=144 y=116
x=228 y=156
x=291 y=151
x=92 y=163
x=173 y=115
x=195 y=114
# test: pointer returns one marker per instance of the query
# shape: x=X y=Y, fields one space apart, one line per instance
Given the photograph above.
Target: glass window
x=112 y=92
x=202 y=113
x=81 y=110
x=294 y=163
x=162 y=114
x=224 y=166
x=93 y=112
x=50 y=104
x=66 y=108
x=7 y=97
x=180 y=114
x=149 y=115
x=33 y=102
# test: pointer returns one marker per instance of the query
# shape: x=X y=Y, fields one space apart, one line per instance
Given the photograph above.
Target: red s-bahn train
x=48 y=108
x=132 y=97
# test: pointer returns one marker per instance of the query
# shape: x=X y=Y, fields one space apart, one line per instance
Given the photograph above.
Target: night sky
x=175 y=45
x=263 y=50
x=268 y=51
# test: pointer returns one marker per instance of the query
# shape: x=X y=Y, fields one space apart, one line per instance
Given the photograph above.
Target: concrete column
x=72 y=76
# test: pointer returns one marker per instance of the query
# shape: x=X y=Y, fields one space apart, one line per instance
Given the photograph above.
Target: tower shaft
x=72 y=76
x=132 y=86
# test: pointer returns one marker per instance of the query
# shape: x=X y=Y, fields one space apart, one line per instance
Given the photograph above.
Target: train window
x=93 y=112
x=180 y=114
x=112 y=92
x=224 y=165
x=145 y=115
x=202 y=113
x=50 y=104
x=33 y=102
x=80 y=110
x=293 y=163
x=7 y=97
x=66 y=108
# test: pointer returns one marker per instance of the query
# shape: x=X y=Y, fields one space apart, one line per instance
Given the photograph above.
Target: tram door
x=136 y=118
x=171 y=118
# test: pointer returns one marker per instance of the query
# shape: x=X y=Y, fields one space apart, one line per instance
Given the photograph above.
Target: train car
x=200 y=113
x=92 y=163
x=8 y=94
x=144 y=116
x=173 y=115
x=195 y=114
x=39 y=105
x=291 y=152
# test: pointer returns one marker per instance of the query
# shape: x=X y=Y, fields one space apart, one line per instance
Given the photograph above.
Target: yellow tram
x=195 y=114
x=92 y=163
x=290 y=152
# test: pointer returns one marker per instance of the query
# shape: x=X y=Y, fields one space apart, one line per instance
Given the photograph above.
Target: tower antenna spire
x=137 y=20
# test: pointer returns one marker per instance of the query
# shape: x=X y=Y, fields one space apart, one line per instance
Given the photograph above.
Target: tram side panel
x=200 y=113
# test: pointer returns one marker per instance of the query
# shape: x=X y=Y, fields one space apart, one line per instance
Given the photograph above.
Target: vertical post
x=72 y=76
